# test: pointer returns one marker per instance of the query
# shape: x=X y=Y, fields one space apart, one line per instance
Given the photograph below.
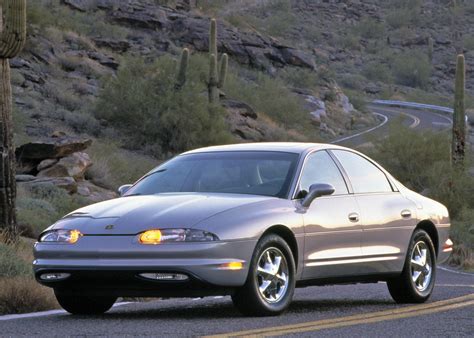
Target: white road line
x=456 y=285
x=454 y=271
x=385 y=120
x=45 y=313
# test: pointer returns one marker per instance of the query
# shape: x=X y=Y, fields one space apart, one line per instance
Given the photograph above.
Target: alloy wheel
x=272 y=275
x=421 y=266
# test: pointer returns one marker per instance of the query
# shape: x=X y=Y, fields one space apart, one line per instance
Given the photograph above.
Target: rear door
x=332 y=229
x=387 y=217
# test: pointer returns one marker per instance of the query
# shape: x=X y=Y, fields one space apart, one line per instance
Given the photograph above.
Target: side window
x=364 y=176
x=320 y=168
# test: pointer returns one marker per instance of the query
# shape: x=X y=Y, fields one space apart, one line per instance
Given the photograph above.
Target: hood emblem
x=109 y=227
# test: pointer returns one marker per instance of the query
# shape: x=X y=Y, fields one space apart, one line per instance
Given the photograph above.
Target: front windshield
x=252 y=172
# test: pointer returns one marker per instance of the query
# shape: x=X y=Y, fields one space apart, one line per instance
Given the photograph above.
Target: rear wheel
x=84 y=304
x=417 y=280
x=271 y=280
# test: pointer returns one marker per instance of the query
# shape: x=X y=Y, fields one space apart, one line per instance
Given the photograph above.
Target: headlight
x=61 y=236
x=175 y=235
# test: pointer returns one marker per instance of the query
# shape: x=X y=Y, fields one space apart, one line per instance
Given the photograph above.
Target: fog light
x=54 y=276
x=232 y=266
x=448 y=246
x=165 y=276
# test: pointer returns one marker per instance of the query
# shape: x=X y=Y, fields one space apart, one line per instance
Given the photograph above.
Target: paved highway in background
x=362 y=310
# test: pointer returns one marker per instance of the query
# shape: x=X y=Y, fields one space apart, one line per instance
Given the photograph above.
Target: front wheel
x=417 y=280
x=271 y=280
x=84 y=304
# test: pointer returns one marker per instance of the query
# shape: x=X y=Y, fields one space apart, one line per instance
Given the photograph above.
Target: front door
x=332 y=227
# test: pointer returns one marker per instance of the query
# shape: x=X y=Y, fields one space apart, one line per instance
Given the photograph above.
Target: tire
x=84 y=304
x=277 y=295
x=404 y=288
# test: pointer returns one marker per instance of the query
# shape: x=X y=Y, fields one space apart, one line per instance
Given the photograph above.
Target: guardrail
x=413 y=105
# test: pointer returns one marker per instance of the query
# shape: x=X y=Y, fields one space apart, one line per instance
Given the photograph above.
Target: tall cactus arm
x=213 y=38
x=213 y=80
x=183 y=68
x=13 y=34
x=223 y=70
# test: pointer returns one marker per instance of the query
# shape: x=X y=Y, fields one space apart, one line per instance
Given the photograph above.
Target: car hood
x=133 y=214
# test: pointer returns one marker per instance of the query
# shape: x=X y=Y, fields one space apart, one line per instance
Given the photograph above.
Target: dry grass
x=24 y=294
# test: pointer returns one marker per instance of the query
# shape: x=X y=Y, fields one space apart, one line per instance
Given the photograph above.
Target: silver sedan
x=252 y=221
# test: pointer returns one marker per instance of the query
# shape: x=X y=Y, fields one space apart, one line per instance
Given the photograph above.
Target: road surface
x=362 y=310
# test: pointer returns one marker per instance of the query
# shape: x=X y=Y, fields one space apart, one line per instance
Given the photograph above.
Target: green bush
x=377 y=71
x=369 y=28
x=142 y=102
x=412 y=69
x=270 y=96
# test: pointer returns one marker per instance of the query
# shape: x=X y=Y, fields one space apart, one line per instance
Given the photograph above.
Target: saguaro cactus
x=459 y=118
x=216 y=78
x=430 y=48
x=183 y=69
x=12 y=40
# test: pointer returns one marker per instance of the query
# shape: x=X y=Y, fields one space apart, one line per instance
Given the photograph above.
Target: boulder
x=46 y=164
x=54 y=148
x=74 y=165
x=93 y=192
x=24 y=178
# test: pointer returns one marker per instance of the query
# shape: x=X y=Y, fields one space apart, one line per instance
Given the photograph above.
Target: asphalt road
x=362 y=310
x=329 y=310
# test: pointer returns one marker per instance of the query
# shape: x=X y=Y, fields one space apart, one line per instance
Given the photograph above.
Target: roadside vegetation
x=19 y=292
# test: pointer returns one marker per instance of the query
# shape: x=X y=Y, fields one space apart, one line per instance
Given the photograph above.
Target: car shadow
x=194 y=310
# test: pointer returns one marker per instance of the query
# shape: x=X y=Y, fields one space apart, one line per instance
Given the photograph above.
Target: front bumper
x=106 y=263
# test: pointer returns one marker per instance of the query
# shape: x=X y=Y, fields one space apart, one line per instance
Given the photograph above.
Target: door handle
x=354 y=217
x=406 y=213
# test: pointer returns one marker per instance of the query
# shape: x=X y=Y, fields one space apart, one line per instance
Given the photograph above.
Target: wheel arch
x=430 y=228
x=288 y=236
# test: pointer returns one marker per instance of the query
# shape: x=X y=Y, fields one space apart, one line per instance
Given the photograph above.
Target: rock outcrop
x=59 y=161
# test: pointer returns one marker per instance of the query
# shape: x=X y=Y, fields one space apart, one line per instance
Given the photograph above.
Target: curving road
x=388 y=116
x=362 y=310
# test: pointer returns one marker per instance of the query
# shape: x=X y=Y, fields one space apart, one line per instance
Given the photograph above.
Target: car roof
x=289 y=147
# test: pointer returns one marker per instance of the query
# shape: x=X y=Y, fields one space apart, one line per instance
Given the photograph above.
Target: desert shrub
x=11 y=264
x=82 y=122
x=23 y=294
x=377 y=71
x=369 y=28
x=270 y=96
x=412 y=69
x=300 y=78
x=40 y=206
x=398 y=18
x=352 y=81
x=113 y=166
x=469 y=42
x=142 y=102
x=52 y=13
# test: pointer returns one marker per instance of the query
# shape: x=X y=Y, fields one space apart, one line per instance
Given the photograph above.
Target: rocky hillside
x=275 y=90
x=401 y=48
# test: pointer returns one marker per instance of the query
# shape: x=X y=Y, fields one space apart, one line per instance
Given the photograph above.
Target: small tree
x=12 y=40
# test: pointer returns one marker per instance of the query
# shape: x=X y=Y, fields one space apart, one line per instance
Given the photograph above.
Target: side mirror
x=315 y=191
x=123 y=189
